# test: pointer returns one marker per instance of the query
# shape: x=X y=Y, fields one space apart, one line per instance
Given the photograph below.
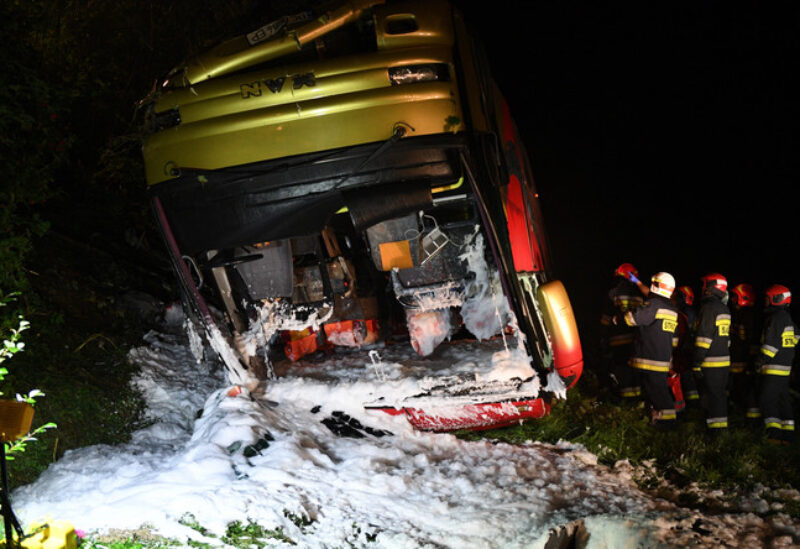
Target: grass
x=241 y=535
x=86 y=394
x=75 y=352
x=738 y=460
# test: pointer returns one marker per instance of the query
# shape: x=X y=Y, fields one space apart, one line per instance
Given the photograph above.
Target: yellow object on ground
x=55 y=534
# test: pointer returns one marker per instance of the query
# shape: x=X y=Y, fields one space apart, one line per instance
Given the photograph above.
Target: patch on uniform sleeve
x=787 y=338
x=724 y=325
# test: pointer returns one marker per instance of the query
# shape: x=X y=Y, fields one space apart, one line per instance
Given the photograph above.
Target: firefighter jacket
x=712 y=332
x=743 y=339
x=778 y=341
x=691 y=318
x=682 y=353
x=623 y=297
x=655 y=323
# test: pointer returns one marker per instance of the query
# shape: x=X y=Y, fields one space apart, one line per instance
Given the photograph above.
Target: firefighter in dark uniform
x=744 y=337
x=682 y=358
x=655 y=323
x=778 y=341
x=616 y=341
x=711 y=359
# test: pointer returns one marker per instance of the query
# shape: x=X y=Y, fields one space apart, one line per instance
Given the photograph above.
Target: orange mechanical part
x=299 y=343
x=352 y=333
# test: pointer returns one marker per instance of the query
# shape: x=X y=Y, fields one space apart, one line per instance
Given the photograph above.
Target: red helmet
x=686 y=293
x=777 y=295
x=744 y=295
x=715 y=280
x=626 y=268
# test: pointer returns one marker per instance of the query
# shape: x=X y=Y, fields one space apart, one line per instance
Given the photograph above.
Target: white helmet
x=662 y=284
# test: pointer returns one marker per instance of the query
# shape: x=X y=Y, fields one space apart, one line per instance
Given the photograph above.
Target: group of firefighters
x=657 y=345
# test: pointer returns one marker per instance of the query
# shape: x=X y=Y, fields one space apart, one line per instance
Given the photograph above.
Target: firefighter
x=778 y=341
x=684 y=301
x=616 y=341
x=743 y=378
x=655 y=323
x=711 y=355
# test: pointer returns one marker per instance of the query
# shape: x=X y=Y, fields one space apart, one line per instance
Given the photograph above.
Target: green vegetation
x=239 y=535
x=12 y=344
x=87 y=388
x=130 y=543
x=250 y=534
x=738 y=460
x=75 y=227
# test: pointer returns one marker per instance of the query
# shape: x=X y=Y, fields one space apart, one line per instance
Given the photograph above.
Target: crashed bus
x=353 y=177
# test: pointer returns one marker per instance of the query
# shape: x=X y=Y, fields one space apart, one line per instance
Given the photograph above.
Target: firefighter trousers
x=658 y=394
x=714 y=397
x=689 y=387
x=745 y=390
x=776 y=407
x=629 y=384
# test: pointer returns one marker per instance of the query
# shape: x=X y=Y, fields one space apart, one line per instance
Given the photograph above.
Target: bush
x=12 y=344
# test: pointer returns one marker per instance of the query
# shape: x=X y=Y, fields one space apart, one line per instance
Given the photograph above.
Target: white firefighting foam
x=288 y=460
x=483 y=308
x=427 y=329
x=485 y=311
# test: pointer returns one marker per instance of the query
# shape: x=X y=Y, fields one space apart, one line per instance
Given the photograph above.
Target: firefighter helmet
x=744 y=295
x=778 y=295
x=662 y=284
x=715 y=280
x=686 y=294
x=625 y=269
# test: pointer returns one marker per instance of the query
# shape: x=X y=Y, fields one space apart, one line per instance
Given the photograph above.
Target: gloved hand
x=632 y=278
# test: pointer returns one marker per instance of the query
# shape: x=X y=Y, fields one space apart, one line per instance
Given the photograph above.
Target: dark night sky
x=660 y=134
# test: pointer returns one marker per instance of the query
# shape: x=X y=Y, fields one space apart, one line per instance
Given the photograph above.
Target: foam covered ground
x=303 y=455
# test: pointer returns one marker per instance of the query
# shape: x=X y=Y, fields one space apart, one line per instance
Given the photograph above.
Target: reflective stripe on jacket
x=778 y=342
x=712 y=332
x=655 y=323
x=623 y=297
